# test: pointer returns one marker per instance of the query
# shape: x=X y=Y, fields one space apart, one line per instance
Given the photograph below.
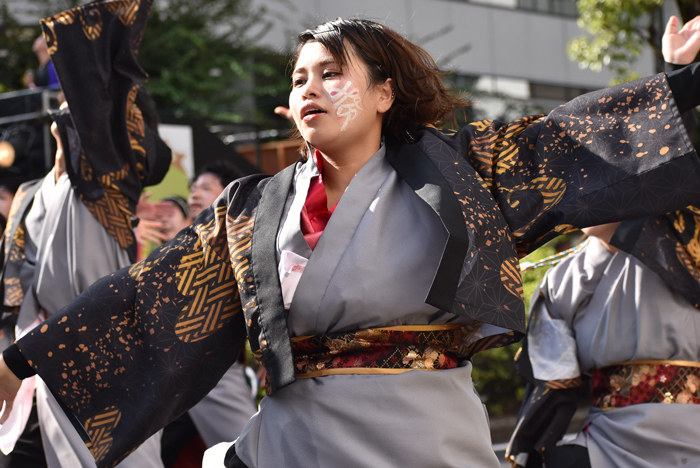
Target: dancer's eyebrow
x=322 y=63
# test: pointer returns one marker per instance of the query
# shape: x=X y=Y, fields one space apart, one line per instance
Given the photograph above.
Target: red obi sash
x=631 y=383
x=390 y=350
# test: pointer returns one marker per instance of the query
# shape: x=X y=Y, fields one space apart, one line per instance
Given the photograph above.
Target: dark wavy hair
x=421 y=97
x=222 y=169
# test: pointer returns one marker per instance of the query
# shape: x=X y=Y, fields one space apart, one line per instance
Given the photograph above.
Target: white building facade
x=513 y=47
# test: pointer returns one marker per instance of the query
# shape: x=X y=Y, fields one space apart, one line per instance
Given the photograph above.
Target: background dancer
x=74 y=226
x=629 y=319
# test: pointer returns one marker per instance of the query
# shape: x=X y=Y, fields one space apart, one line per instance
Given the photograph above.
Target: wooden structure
x=274 y=156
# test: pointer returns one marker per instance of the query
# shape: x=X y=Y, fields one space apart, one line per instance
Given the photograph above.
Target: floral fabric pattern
x=366 y=351
x=630 y=384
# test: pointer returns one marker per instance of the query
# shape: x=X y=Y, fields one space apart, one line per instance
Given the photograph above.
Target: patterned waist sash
x=390 y=350
x=652 y=381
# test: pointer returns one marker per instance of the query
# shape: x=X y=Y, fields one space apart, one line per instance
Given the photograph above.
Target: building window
x=556 y=7
x=555 y=92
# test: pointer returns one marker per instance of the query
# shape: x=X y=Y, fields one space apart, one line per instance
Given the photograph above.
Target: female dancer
x=368 y=274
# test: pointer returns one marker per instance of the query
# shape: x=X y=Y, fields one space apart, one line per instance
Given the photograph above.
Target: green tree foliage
x=200 y=55
x=16 y=56
x=619 y=31
x=202 y=61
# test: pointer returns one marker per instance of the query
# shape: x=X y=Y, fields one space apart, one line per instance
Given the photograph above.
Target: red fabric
x=315 y=213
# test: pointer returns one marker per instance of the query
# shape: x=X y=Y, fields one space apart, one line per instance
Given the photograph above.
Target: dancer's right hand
x=284 y=112
x=9 y=386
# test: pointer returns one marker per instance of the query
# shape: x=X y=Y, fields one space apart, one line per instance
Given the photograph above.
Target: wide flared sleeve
x=141 y=346
x=615 y=154
x=669 y=244
x=112 y=152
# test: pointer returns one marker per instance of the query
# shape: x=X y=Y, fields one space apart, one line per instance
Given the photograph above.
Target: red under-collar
x=315 y=213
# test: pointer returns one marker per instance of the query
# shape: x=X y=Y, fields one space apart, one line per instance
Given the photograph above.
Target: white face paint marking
x=346 y=103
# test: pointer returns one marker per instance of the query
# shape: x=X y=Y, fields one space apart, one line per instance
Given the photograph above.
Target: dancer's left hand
x=9 y=386
x=681 y=47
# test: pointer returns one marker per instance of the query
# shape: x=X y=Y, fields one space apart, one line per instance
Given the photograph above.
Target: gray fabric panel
x=356 y=278
x=336 y=236
x=652 y=435
x=633 y=303
x=65 y=273
x=415 y=419
x=551 y=345
x=34 y=223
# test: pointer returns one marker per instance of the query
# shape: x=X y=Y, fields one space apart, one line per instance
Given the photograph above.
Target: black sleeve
x=671 y=67
x=16 y=362
x=141 y=346
x=545 y=413
x=685 y=85
x=689 y=119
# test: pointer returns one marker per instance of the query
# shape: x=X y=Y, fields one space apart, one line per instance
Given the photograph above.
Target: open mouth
x=311 y=113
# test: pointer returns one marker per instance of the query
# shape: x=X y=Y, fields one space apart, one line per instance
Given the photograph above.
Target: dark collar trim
x=419 y=172
x=273 y=319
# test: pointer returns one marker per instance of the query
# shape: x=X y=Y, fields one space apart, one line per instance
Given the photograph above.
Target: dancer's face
x=172 y=219
x=334 y=107
x=203 y=192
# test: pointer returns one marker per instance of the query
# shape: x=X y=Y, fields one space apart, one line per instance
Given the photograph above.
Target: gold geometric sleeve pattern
x=124 y=10
x=100 y=429
x=15 y=249
x=511 y=277
x=206 y=276
x=106 y=170
x=13 y=216
x=549 y=189
x=92 y=23
x=90 y=20
x=112 y=212
x=689 y=258
x=14 y=294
